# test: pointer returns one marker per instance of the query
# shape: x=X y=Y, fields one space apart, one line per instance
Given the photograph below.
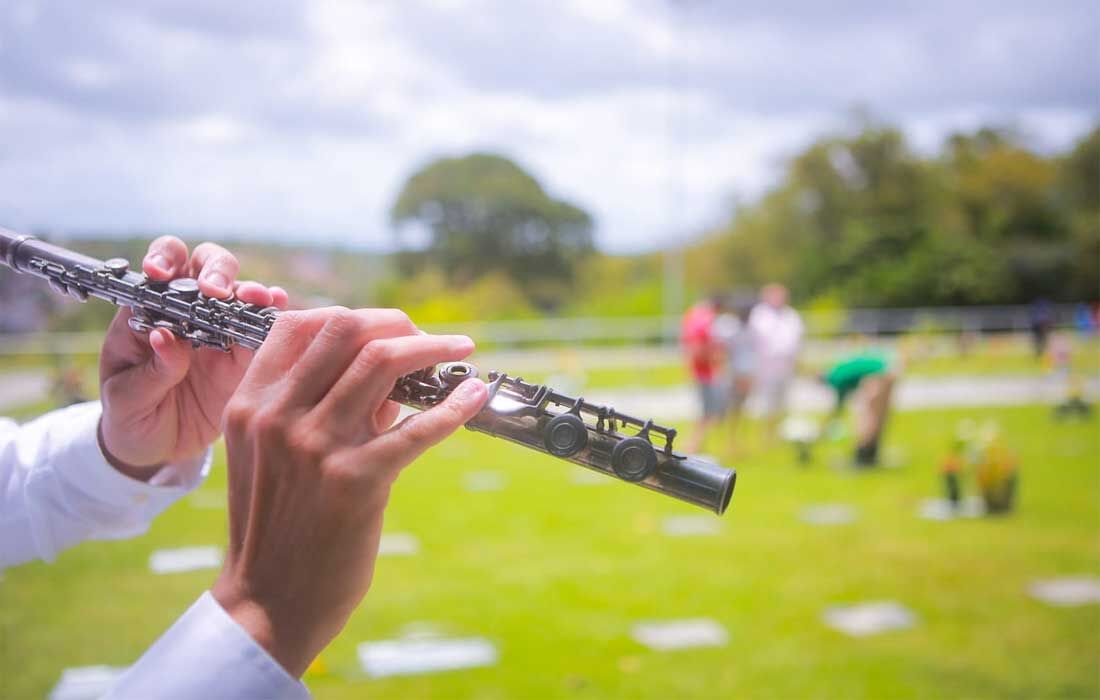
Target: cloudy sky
x=300 y=119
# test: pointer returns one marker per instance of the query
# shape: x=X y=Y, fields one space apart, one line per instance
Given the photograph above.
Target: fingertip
x=254 y=293
x=165 y=257
x=156 y=267
x=472 y=393
x=215 y=285
x=162 y=341
x=279 y=297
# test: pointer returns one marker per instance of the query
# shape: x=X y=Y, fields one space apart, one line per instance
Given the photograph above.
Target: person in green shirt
x=869 y=376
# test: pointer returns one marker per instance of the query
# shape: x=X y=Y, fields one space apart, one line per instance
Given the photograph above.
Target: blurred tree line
x=856 y=220
x=864 y=220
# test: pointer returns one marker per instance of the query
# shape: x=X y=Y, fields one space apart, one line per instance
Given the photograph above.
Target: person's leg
x=710 y=412
x=874 y=407
x=740 y=388
x=776 y=405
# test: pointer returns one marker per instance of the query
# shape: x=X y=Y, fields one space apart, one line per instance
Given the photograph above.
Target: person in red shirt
x=705 y=352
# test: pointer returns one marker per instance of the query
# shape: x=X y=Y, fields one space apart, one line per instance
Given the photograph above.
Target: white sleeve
x=206 y=654
x=57 y=489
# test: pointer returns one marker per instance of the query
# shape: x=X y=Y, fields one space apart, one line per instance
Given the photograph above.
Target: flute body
x=534 y=416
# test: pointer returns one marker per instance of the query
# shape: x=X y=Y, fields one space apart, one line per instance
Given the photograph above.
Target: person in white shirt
x=312 y=454
x=778 y=331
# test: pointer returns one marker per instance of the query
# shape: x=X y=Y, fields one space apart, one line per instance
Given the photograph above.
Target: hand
x=312 y=454
x=163 y=399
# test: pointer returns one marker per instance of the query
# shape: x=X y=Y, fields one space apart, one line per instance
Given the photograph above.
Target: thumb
x=407 y=440
x=168 y=363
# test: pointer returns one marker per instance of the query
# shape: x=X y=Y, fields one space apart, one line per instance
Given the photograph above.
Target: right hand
x=312 y=455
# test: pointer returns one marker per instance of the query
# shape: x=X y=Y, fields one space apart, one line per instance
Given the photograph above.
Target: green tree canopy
x=863 y=219
x=484 y=214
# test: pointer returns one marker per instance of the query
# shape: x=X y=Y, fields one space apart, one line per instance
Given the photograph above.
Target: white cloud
x=301 y=120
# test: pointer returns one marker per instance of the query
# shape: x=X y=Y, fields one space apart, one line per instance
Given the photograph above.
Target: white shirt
x=56 y=489
x=779 y=337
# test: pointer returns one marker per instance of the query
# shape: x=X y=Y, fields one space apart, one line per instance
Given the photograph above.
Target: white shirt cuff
x=206 y=654
x=78 y=485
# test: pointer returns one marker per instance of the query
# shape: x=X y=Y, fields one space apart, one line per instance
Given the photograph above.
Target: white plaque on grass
x=799 y=429
x=828 y=514
x=85 y=682
x=869 y=618
x=174 y=561
x=402 y=657
x=399 y=544
x=680 y=634
x=691 y=525
x=942 y=509
x=208 y=500
x=1067 y=592
x=484 y=481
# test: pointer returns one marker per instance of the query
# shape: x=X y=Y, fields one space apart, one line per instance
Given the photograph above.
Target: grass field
x=557 y=573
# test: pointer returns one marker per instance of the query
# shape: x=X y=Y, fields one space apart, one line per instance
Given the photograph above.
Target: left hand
x=162 y=399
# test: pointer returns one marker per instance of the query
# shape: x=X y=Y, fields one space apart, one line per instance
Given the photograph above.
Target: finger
x=144 y=385
x=253 y=293
x=357 y=395
x=215 y=268
x=279 y=298
x=386 y=415
x=336 y=344
x=170 y=360
x=166 y=259
x=406 y=441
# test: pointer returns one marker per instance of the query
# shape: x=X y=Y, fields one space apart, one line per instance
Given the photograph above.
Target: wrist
x=259 y=622
x=141 y=473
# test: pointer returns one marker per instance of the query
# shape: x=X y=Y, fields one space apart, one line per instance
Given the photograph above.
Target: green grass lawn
x=557 y=573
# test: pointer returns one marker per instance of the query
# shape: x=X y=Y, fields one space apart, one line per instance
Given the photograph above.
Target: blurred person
x=778 y=330
x=705 y=354
x=1041 y=323
x=869 y=377
x=311 y=457
x=1084 y=319
x=732 y=328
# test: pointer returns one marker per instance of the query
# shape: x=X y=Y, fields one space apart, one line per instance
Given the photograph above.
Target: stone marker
x=484 y=481
x=174 y=561
x=869 y=618
x=680 y=634
x=691 y=525
x=401 y=657
x=208 y=500
x=828 y=514
x=941 y=508
x=85 y=682
x=799 y=429
x=398 y=544
x=1067 y=592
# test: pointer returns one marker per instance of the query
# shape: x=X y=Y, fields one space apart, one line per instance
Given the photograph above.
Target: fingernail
x=161 y=262
x=218 y=280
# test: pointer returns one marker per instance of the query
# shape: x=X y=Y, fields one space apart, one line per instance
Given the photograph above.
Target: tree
x=864 y=220
x=485 y=214
x=1079 y=180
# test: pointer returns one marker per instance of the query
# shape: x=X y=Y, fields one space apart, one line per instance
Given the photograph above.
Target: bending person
x=869 y=377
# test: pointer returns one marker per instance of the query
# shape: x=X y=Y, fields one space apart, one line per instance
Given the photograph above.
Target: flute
x=535 y=416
